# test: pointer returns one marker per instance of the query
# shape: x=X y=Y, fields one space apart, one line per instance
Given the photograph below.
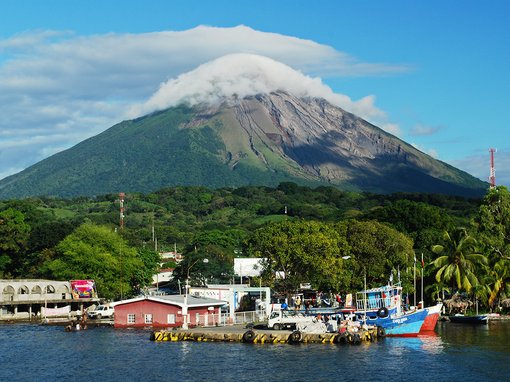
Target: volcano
x=242 y=119
x=262 y=139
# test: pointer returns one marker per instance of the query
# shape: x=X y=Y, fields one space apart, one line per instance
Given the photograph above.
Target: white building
x=248 y=266
x=25 y=298
x=233 y=294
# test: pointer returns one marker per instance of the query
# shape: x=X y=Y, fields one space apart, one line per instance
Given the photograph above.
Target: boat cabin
x=380 y=302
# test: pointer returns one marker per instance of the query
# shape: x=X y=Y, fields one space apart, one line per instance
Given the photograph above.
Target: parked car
x=102 y=311
x=282 y=319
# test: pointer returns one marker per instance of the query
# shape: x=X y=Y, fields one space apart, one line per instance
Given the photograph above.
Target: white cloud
x=421 y=130
x=391 y=128
x=243 y=75
x=67 y=88
x=432 y=152
x=478 y=165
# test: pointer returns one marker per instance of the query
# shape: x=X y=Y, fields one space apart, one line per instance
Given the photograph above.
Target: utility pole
x=121 y=202
x=492 y=176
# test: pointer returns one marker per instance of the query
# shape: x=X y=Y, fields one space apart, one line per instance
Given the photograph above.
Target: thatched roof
x=457 y=304
x=505 y=303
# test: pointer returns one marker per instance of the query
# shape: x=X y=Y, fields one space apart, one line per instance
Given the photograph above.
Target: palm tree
x=437 y=291
x=499 y=277
x=459 y=261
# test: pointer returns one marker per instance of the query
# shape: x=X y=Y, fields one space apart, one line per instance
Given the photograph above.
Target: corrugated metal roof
x=176 y=299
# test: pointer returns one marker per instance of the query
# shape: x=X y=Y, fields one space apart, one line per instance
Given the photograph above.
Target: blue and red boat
x=433 y=313
x=383 y=307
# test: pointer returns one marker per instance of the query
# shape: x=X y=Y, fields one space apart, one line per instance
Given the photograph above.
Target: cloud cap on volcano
x=242 y=75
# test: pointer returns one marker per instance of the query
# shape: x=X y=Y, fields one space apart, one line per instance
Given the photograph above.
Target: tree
x=459 y=260
x=498 y=281
x=411 y=217
x=204 y=265
x=98 y=253
x=493 y=223
x=14 y=234
x=493 y=232
x=377 y=250
x=143 y=276
x=296 y=252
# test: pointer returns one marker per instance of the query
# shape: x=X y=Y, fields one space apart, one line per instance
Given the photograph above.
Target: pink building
x=167 y=311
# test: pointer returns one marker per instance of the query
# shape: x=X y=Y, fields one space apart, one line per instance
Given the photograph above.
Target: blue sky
x=436 y=72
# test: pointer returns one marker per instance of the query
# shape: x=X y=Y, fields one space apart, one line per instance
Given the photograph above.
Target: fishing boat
x=476 y=319
x=433 y=313
x=382 y=307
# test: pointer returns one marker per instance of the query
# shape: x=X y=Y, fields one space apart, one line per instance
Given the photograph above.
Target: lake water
x=455 y=353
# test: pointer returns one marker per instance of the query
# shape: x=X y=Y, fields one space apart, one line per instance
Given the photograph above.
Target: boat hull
x=480 y=319
x=406 y=325
x=433 y=312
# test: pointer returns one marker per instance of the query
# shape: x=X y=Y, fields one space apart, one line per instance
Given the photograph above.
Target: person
x=298 y=303
x=339 y=300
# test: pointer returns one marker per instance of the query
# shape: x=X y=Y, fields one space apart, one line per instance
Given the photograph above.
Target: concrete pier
x=255 y=336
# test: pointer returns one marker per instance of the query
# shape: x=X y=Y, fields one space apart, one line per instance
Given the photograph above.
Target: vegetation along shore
x=322 y=236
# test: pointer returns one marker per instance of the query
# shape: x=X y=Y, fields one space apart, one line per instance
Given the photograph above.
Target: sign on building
x=83 y=289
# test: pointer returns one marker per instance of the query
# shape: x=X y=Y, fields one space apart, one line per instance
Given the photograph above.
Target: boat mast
x=422 y=268
x=414 y=280
x=365 y=301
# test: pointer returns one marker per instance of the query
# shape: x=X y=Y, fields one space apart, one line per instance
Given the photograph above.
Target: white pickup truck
x=102 y=311
x=282 y=319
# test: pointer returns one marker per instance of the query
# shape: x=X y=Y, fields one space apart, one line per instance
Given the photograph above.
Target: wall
x=159 y=313
x=34 y=290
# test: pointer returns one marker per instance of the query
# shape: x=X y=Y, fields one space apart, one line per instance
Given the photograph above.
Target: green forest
x=329 y=238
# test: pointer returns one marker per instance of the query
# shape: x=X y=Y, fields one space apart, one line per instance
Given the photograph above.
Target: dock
x=256 y=336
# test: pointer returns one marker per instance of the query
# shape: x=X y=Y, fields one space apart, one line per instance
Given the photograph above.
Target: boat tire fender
x=383 y=312
x=249 y=336
x=356 y=340
x=341 y=339
x=295 y=337
x=381 y=332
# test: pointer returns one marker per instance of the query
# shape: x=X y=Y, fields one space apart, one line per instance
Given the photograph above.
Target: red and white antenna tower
x=121 y=201
x=492 y=177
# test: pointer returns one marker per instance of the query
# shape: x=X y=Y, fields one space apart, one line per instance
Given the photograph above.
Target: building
x=171 y=256
x=260 y=297
x=163 y=277
x=30 y=298
x=167 y=311
x=248 y=266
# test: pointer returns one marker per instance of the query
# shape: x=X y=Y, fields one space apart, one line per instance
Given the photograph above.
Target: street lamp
x=185 y=307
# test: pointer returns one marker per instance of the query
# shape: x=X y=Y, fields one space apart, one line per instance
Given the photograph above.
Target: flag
x=422 y=263
x=398 y=273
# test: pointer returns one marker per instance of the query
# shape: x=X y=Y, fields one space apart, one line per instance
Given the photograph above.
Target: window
x=148 y=318
x=170 y=318
x=131 y=318
x=23 y=290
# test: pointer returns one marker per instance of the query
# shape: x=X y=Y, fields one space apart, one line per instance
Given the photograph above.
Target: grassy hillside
x=142 y=155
